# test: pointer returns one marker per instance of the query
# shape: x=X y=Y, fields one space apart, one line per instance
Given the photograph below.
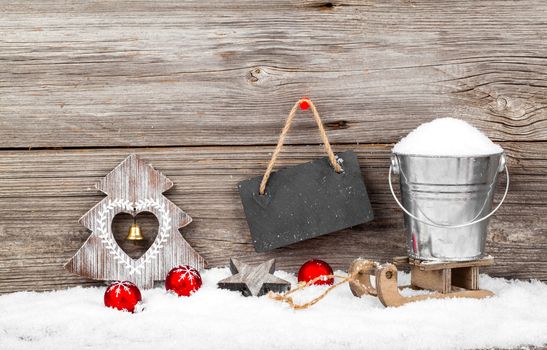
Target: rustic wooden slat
x=207 y=177
x=79 y=74
x=44 y=193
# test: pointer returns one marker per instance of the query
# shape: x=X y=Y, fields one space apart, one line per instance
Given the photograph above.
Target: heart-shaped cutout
x=148 y=224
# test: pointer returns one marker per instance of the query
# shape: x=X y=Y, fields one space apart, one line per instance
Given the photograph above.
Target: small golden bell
x=134 y=233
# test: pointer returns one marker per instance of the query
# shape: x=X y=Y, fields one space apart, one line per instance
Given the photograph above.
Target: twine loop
x=285 y=130
x=353 y=278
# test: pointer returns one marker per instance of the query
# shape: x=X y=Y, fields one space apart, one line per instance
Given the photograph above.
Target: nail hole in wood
x=340 y=124
x=323 y=6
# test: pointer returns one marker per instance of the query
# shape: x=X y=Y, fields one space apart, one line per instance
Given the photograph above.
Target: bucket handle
x=431 y=223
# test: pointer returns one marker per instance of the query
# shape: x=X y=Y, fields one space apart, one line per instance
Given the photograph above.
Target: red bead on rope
x=304 y=103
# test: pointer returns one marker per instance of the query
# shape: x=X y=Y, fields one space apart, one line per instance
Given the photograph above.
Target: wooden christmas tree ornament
x=134 y=187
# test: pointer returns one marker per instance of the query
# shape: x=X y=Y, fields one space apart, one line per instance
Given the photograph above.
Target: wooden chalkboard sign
x=133 y=187
x=307 y=200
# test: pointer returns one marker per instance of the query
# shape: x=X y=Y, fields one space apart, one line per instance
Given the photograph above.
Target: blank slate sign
x=305 y=201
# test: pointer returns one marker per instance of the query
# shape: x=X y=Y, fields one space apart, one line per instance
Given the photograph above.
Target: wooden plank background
x=201 y=90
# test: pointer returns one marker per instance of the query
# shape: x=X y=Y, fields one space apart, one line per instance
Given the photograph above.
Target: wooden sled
x=443 y=279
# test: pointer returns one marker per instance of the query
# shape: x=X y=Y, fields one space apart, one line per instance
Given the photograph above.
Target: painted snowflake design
x=186 y=272
x=119 y=285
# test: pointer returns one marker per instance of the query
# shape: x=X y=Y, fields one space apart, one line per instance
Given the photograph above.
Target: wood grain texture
x=133 y=187
x=43 y=193
x=201 y=90
x=79 y=74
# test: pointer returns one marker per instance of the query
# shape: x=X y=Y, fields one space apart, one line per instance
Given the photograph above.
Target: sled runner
x=443 y=279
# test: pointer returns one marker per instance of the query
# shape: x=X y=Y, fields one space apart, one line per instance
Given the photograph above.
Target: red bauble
x=122 y=296
x=183 y=280
x=313 y=269
x=304 y=103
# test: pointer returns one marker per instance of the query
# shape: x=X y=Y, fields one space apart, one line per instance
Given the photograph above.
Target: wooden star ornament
x=254 y=280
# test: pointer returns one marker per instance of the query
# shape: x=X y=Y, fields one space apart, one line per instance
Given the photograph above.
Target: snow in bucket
x=446 y=137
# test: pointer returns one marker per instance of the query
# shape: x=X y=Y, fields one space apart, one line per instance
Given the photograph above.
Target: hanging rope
x=324 y=138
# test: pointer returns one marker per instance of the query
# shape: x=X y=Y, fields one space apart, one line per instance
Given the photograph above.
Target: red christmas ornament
x=183 y=280
x=304 y=104
x=122 y=296
x=313 y=269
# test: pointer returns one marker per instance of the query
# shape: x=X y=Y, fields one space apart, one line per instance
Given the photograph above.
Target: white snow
x=219 y=319
x=446 y=137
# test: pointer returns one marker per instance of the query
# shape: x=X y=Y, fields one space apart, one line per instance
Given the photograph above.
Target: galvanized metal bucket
x=447 y=203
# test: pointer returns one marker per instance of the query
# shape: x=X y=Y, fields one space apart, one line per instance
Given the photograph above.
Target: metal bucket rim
x=448 y=156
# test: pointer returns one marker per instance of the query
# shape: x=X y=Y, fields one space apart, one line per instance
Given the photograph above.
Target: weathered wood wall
x=201 y=90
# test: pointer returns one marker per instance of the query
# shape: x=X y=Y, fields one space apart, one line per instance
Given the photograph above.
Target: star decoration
x=254 y=280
